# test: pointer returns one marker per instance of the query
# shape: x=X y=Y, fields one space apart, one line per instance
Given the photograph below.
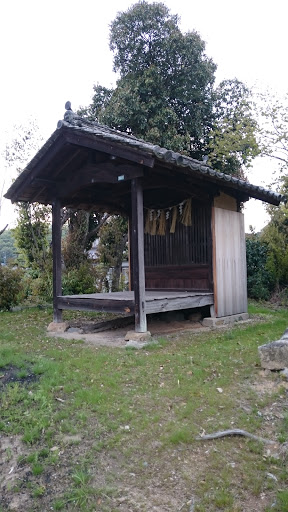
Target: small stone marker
x=274 y=355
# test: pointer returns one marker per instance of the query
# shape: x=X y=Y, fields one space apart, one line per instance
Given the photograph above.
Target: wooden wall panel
x=186 y=277
x=187 y=245
x=229 y=261
x=181 y=260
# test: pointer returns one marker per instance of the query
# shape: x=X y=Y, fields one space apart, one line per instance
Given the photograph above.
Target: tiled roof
x=78 y=123
x=100 y=132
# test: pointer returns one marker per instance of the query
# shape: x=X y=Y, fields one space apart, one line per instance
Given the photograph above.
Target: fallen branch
x=233 y=432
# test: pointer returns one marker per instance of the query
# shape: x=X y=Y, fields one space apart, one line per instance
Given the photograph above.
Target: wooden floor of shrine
x=123 y=302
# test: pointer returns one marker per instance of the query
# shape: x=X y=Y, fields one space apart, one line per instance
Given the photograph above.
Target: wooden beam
x=138 y=254
x=36 y=168
x=91 y=174
x=92 y=304
x=57 y=260
x=195 y=300
x=111 y=148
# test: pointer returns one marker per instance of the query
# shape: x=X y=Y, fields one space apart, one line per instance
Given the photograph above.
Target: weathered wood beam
x=57 y=260
x=175 y=304
x=36 y=169
x=84 y=304
x=111 y=148
x=137 y=242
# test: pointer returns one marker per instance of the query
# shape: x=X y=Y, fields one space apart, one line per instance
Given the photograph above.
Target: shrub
x=260 y=280
x=11 y=289
x=81 y=280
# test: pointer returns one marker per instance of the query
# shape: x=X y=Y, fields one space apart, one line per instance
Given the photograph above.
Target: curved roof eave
x=76 y=124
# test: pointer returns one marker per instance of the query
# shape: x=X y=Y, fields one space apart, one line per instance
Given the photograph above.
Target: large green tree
x=166 y=95
x=165 y=90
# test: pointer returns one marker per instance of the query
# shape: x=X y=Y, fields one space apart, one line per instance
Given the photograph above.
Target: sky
x=56 y=51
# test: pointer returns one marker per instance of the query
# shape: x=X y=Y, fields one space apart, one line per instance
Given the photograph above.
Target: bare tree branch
x=4 y=229
x=94 y=232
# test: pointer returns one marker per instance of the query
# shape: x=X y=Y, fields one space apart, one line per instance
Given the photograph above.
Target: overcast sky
x=55 y=51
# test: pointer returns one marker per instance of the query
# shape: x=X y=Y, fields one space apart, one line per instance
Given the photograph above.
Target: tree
x=260 y=281
x=164 y=93
x=83 y=229
x=24 y=142
x=275 y=235
x=273 y=113
x=31 y=235
x=233 y=143
x=33 y=220
x=8 y=250
x=112 y=246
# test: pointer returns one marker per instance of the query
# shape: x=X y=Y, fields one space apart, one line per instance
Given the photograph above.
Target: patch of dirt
x=116 y=338
x=11 y=449
x=266 y=385
x=112 y=332
x=10 y=374
x=159 y=479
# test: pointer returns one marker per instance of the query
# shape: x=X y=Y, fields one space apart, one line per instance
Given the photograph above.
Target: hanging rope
x=157 y=221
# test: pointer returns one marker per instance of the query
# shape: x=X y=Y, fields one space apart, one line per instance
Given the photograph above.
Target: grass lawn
x=112 y=429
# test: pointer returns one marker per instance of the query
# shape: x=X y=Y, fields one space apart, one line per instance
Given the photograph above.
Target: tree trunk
x=118 y=264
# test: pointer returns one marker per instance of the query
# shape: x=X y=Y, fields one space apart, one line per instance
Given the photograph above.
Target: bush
x=85 y=279
x=11 y=289
x=260 y=280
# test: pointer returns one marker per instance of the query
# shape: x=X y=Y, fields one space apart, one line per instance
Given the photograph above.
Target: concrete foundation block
x=224 y=320
x=138 y=336
x=58 y=327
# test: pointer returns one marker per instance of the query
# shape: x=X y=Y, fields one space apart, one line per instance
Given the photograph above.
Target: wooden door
x=229 y=262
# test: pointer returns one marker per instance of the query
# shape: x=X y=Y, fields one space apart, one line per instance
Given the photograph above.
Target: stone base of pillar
x=138 y=336
x=58 y=327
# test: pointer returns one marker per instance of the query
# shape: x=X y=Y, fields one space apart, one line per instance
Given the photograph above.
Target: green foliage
x=273 y=113
x=31 y=234
x=275 y=236
x=267 y=257
x=277 y=261
x=85 y=279
x=260 y=281
x=281 y=504
x=8 y=250
x=112 y=248
x=10 y=287
x=83 y=229
x=164 y=93
x=111 y=236
x=233 y=142
x=39 y=285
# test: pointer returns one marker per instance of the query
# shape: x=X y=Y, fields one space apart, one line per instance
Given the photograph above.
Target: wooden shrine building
x=187 y=239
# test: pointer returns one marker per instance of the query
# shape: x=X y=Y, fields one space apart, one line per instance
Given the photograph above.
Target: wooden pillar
x=57 y=260
x=137 y=246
